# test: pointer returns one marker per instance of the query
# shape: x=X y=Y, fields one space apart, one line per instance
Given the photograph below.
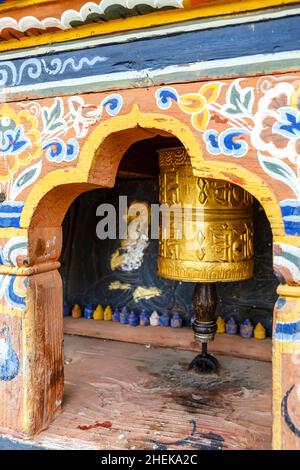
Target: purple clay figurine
x=144 y=318
x=176 y=321
x=133 y=319
x=246 y=329
x=164 y=319
x=124 y=316
x=66 y=309
x=231 y=327
x=88 y=312
x=116 y=315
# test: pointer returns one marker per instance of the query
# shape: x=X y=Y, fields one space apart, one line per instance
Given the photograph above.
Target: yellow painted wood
x=31 y=270
x=277 y=395
x=10 y=6
x=144 y=21
x=10 y=232
x=289 y=291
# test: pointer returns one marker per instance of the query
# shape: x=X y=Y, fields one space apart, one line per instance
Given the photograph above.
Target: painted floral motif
x=14 y=251
x=286 y=262
x=271 y=126
x=276 y=125
x=229 y=142
x=20 y=140
x=198 y=105
x=13 y=291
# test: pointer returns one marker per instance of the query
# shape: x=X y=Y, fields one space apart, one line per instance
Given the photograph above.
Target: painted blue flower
x=289 y=123
x=113 y=104
x=164 y=97
x=58 y=151
x=227 y=142
x=13 y=141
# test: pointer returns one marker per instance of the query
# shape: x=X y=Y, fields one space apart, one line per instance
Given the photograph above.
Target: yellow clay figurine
x=259 y=331
x=76 y=311
x=220 y=325
x=107 y=314
x=98 y=313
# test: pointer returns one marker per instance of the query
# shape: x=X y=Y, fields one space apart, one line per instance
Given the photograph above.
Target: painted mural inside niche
x=9 y=361
x=129 y=256
x=88 y=277
x=271 y=126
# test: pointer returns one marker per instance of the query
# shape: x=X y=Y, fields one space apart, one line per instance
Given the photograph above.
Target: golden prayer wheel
x=206 y=236
x=211 y=237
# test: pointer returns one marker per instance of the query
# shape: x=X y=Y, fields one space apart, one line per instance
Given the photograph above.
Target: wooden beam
x=181 y=338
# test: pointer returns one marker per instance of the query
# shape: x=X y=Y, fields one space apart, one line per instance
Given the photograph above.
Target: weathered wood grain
x=181 y=338
x=152 y=401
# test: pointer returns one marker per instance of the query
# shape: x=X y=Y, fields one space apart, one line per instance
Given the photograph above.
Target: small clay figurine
x=98 y=313
x=176 y=320
x=88 y=312
x=76 y=311
x=220 y=325
x=164 y=319
x=154 y=318
x=231 y=327
x=66 y=309
x=133 y=319
x=124 y=316
x=192 y=319
x=246 y=329
x=144 y=318
x=260 y=332
x=107 y=314
x=116 y=315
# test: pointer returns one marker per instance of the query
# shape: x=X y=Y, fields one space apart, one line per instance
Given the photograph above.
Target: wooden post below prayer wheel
x=204 y=325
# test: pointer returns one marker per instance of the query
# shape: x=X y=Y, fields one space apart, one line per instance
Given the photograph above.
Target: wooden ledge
x=181 y=338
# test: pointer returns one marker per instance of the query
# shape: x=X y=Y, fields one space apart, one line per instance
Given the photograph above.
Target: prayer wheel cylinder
x=215 y=242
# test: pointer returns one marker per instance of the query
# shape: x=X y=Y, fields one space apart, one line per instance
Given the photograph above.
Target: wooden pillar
x=286 y=350
x=31 y=339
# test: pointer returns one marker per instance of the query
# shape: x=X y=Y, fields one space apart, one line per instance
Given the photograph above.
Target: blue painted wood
x=10 y=444
x=271 y=36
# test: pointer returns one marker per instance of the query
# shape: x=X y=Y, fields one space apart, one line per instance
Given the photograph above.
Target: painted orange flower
x=20 y=140
x=196 y=104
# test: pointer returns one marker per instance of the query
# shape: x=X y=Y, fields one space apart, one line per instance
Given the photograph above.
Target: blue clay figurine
x=246 y=329
x=66 y=309
x=116 y=315
x=124 y=316
x=133 y=319
x=144 y=318
x=231 y=327
x=164 y=319
x=88 y=312
x=176 y=321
